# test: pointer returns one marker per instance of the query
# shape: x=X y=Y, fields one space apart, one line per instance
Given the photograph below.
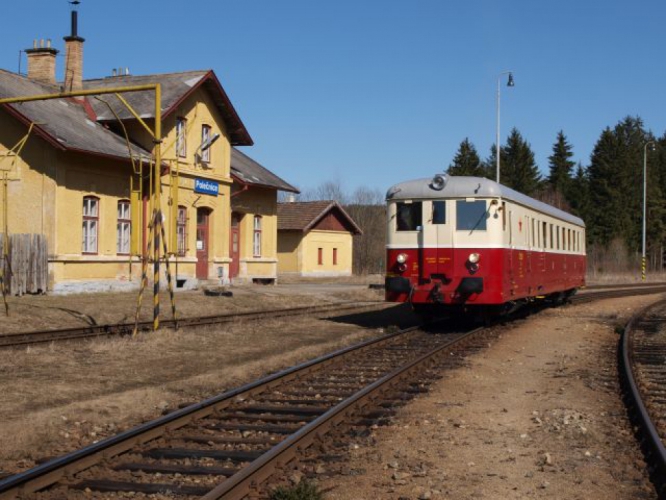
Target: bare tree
x=366 y=207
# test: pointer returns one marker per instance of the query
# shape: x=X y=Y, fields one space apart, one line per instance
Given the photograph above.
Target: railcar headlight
x=401 y=258
x=474 y=258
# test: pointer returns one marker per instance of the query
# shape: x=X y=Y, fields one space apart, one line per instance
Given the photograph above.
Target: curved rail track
x=642 y=362
x=226 y=446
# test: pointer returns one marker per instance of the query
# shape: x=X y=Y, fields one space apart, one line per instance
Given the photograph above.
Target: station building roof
x=175 y=88
x=61 y=122
x=250 y=172
x=81 y=126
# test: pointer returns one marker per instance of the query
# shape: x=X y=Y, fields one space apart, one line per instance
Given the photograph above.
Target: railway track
x=91 y=331
x=616 y=293
x=20 y=339
x=221 y=447
x=642 y=363
x=226 y=446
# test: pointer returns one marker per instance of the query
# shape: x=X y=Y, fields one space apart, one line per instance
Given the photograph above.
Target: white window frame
x=256 y=238
x=181 y=143
x=90 y=227
x=181 y=230
x=124 y=228
x=205 y=135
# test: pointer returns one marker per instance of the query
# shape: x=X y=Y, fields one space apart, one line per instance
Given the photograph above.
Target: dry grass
x=56 y=398
x=62 y=311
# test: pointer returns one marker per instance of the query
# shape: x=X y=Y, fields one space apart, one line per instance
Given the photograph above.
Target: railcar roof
x=467 y=187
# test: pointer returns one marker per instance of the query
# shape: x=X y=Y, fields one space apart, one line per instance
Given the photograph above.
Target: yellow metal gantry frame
x=14 y=153
x=156 y=134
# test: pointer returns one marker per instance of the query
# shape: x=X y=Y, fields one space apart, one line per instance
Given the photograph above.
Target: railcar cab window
x=439 y=212
x=471 y=215
x=408 y=216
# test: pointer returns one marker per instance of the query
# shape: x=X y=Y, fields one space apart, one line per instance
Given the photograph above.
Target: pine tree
x=518 y=170
x=467 y=161
x=578 y=193
x=560 y=164
x=616 y=188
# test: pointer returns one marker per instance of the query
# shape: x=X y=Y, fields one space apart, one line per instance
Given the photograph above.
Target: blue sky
x=374 y=92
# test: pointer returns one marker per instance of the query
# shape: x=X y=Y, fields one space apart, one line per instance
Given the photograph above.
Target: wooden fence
x=26 y=269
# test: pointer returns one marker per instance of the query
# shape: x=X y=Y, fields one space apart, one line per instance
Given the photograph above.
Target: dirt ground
x=56 y=398
x=536 y=415
x=45 y=312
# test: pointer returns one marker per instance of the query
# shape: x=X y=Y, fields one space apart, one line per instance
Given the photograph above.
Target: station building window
x=320 y=256
x=256 y=240
x=205 y=135
x=335 y=256
x=90 y=224
x=181 y=230
x=123 y=228
x=181 y=144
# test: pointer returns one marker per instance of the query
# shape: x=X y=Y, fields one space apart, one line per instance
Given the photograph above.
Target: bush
x=303 y=491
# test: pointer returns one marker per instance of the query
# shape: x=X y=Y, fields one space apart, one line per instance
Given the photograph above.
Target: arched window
x=90 y=224
x=256 y=241
x=123 y=228
x=181 y=229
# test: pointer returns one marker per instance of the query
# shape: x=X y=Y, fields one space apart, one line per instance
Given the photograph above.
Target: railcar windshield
x=471 y=215
x=439 y=212
x=409 y=216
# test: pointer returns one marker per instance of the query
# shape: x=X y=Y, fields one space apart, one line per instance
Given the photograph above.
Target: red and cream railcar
x=470 y=243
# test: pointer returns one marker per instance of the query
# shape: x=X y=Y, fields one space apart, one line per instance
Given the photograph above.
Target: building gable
x=333 y=221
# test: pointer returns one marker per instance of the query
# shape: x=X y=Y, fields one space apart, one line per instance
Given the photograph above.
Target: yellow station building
x=77 y=173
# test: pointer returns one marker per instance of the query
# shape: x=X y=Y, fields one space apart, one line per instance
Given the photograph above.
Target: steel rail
x=16 y=339
x=610 y=294
x=652 y=440
x=238 y=485
x=625 y=285
x=52 y=471
x=41 y=336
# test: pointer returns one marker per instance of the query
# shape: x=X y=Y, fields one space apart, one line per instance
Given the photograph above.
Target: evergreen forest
x=607 y=193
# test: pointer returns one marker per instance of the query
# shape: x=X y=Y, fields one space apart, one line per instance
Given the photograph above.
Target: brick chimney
x=74 y=57
x=42 y=62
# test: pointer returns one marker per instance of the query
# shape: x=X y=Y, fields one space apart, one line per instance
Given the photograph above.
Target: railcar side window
x=408 y=216
x=471 y=215
x=439 y=212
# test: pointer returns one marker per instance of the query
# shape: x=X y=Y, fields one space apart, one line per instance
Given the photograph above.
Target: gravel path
x=536 y=415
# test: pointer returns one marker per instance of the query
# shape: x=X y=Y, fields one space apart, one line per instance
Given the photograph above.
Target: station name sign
x=205 y=186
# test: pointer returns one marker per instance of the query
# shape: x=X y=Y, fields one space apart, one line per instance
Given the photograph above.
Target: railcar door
x=443 y=231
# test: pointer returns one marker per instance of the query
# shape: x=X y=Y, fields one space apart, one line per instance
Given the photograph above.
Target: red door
x=202 y=243
x=234 y=248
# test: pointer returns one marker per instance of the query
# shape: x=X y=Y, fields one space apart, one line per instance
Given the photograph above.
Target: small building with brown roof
x=315 y=239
